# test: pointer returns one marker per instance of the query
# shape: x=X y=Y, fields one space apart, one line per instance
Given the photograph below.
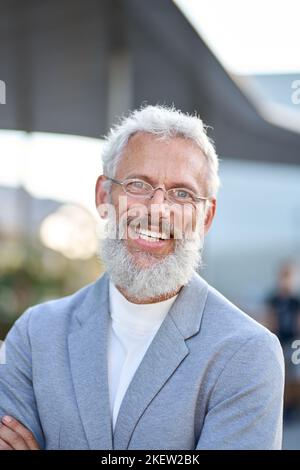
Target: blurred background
x=70 y=68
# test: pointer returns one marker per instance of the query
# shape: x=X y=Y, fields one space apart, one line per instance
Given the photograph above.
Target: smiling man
x=149 y=356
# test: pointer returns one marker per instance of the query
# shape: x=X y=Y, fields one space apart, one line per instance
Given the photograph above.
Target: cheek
x=184 y=219
x=123 y=205
x=128 y=210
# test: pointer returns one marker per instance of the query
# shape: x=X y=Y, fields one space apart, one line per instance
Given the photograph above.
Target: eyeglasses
x=141 y=189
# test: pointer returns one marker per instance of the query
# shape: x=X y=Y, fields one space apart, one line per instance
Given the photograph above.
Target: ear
x=101 y=196
x=210 y=213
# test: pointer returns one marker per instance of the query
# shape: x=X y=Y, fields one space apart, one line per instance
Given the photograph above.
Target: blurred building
x=73 y=66
x=21 y=214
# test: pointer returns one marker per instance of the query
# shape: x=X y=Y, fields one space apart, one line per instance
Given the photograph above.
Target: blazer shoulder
x=54 y=315
x=228 y=321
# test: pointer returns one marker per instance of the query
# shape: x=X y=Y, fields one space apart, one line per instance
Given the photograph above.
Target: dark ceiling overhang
x=72 y=66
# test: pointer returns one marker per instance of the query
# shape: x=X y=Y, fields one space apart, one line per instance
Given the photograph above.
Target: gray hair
x=165 y=122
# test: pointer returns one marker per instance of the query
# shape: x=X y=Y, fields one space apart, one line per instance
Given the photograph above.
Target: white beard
x=161 y=276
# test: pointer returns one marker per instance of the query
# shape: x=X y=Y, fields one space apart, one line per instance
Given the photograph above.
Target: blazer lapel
x=88 y=358
x=165 y=353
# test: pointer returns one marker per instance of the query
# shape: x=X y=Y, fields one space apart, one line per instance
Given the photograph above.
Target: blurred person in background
x=149 y=356
x=283 y=318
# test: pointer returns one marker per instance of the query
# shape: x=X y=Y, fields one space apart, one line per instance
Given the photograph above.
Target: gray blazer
x=212 y=378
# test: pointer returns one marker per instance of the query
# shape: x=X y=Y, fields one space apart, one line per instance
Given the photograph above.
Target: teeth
x=164 y=236
x=149 y=239
x=151 y=235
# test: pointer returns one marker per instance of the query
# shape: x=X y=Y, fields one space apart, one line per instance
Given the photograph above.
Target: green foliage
x=31 y=274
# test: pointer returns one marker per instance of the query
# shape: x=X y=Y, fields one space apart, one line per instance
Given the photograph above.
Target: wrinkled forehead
x=163 y=158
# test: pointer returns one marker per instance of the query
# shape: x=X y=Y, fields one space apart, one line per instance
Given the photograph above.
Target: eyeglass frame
x=122 y=183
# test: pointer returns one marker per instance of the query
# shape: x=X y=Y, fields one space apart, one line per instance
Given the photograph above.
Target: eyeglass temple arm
x=115 y=181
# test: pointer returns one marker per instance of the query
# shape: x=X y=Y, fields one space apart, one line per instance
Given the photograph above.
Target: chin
x=145 y=259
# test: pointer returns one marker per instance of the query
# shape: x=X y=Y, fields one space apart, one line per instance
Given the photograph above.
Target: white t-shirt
x=132 y=328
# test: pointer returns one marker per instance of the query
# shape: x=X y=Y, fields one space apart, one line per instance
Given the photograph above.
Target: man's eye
x=181 y=194
x=138 y=185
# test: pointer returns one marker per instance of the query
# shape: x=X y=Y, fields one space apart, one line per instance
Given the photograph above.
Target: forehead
x=174 y=158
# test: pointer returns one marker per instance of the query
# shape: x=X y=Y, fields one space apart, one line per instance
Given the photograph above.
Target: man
x=283 y=319
x=150 y=356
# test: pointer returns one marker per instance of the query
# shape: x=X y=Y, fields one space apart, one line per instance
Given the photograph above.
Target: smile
x=151 y=235
x=150 y=239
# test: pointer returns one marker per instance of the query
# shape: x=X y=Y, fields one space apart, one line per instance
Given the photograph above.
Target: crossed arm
x=15 y=436
x=20 y=426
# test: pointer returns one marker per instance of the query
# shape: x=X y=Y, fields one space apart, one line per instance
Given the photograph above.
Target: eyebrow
x=175 y=185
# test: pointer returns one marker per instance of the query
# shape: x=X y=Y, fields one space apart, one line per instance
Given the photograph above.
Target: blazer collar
x=89 y=365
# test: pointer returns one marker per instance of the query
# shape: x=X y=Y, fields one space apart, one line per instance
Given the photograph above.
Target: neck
x=149 y=300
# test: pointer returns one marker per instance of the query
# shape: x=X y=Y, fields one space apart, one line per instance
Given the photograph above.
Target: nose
x=158 y=196
x=160 y=207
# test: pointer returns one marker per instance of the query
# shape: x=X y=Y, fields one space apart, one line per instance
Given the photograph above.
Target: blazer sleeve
x=16 y=388
x=246 y=405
